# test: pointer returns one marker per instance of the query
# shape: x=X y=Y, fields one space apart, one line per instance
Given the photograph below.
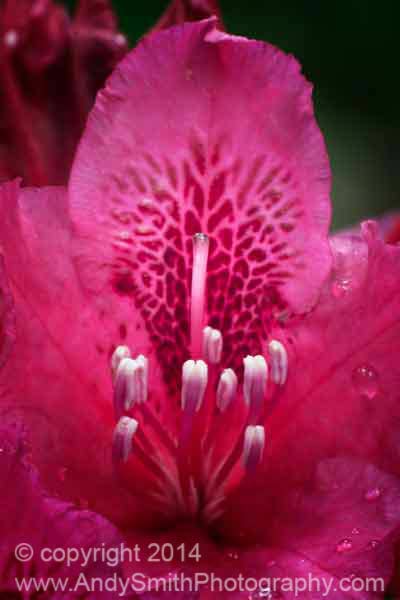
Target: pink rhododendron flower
x=186 y=345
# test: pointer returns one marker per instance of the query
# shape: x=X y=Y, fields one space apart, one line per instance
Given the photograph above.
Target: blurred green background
x=349 y=50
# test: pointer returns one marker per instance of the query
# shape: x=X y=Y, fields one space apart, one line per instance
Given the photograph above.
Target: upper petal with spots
x=201 y=131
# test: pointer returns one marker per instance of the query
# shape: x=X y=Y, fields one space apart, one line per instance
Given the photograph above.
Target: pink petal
x=323 y=533
x=342 y=394
x=327 y=529
x=7 y=316
x=200 y=131
x=389 y=227
x=28 y=516
x=57 y=379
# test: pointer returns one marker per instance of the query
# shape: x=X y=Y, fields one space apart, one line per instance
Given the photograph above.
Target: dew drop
x=366 y=381
x=344 y=546
x=267 y=593
x=355 y=531
x=340 y=287
x=373 y=494
x=373 y=544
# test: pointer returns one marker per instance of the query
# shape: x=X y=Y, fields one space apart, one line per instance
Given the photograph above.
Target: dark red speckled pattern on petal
x=199 y=131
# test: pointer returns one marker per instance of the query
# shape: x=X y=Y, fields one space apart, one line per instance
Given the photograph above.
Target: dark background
x=349 y=50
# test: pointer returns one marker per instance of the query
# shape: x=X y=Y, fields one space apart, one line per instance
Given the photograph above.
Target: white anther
x=279 y=362
x=122 y=438
x=212 y=345
x=226 y=390
x=255 y=381
x=130 y=385
x=119 y=354
x=142 y=378
x=194 y=383
x=253 y=446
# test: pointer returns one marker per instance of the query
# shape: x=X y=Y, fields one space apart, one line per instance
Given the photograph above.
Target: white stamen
x=194 y=383
x=142 y=378
x=10 y=38
x=279 y=362
x=130 y=385
x=255 y=381
x=253 y=447
x=122 y=438
x=119 y=354
x=212 y=345
x=226 y=390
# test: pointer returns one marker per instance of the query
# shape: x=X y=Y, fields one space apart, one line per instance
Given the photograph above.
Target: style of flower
x=184 y=341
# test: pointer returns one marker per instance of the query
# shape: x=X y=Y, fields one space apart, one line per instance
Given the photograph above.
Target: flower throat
x=219 y=442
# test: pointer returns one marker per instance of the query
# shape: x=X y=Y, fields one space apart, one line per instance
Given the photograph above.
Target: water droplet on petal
x=373 y=494
x=373 y=544
x=340 y=287
x=344 y=546
x=355 y=531
x=350 y=259
x=265 y=592
x=366 y=381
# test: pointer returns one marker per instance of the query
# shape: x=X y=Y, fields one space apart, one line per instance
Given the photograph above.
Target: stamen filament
x=198 y=295
x=158 y=429
x=229 y=463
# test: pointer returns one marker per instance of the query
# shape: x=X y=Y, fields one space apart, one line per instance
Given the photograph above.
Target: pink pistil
x=200 y=257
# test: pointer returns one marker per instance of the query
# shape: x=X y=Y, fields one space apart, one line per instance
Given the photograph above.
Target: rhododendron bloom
x=190 y=349
x=51 y=67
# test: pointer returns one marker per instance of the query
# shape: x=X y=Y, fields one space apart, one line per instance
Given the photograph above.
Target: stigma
x=220 y=437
